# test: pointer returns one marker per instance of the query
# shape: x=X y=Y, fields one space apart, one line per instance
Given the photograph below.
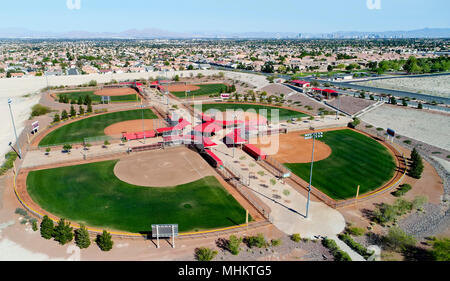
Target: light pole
x=307 y=137
x=143 y=122
x=14 y=126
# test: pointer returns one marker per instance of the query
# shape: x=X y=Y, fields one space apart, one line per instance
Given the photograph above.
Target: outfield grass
x=94 y=126
x=98 y=99
x=284 y=114
x=355 y=160
x=205 y=90
x=93 y=195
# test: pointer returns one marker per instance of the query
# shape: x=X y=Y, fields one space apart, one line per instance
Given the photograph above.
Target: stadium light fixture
x=14 y=126
x=312 y=136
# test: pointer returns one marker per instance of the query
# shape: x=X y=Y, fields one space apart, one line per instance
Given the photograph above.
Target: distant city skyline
x=191 y=16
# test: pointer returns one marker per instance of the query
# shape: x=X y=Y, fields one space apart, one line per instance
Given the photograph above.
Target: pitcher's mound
x=163 y=168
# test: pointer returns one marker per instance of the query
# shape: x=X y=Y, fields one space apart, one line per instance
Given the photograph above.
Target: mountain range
x=154 y=33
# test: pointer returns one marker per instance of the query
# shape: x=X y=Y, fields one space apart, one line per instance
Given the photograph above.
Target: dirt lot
x=163 y=168
x=131 y=126
x=292 y=148
x=115 y=92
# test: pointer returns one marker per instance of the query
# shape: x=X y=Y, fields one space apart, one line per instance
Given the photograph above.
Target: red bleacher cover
x=217 y=159
x=254 y=151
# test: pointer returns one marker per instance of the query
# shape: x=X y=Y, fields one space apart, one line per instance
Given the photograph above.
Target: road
x=366 y=88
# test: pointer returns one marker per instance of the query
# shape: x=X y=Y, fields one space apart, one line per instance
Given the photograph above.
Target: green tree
x=393 y=100
x=64 y=115
x=81 y=110
x=56 y=118
x=82 y=237
x=67 y=147
x=234 y=244
x=73 y=113
x=47 y=227
x=416 y=167
x=63 y=233
x=89 y=108
x=397 y=239
x=420 y=106
x=104 y=241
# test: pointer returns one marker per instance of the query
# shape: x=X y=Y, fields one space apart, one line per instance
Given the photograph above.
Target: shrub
x=234 y=244
x=63 y=233
x=397 y=239
x=402 y=190
x=104 y=241
x=9 y=163
x=47 y=228
x=407 y=141
x=441 y=249
x=356 y=231
x=418 y=202
x=276 y=242
x=38 y=110
x=34 y=225
x=256 y=241
x=360 y=249
x=296 y=237
x=21 y=212
x=337 y=253
x=82 y=237
x=205 y=254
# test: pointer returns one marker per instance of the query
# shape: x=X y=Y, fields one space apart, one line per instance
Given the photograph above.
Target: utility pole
x=311 y=136
x=14 y=126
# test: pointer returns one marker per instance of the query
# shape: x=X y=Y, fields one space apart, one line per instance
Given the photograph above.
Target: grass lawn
x=92 y=127
x=355 y=160
x=93 y=195
x=205 y=90
x=98 y=99
x=284 y=114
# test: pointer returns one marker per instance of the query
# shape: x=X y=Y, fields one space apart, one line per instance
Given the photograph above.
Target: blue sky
x=226 y=15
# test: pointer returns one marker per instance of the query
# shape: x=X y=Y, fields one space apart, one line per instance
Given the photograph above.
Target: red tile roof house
x=302 y=84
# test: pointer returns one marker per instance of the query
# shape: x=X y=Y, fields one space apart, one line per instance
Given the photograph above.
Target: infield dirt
x=292 y=148
x=132 y=126
x=115 y=92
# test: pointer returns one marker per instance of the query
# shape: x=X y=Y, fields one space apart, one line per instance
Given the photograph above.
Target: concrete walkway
x=288 y=206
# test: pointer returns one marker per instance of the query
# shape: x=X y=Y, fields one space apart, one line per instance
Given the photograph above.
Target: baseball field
x=284 y=114
x=94 y=126
x=93 y=195
x=355 y=159
x=116 y=95
x=204 y=90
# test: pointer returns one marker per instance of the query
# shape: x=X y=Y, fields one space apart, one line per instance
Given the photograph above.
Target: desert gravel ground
x=433 y=86
x=426 y=127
